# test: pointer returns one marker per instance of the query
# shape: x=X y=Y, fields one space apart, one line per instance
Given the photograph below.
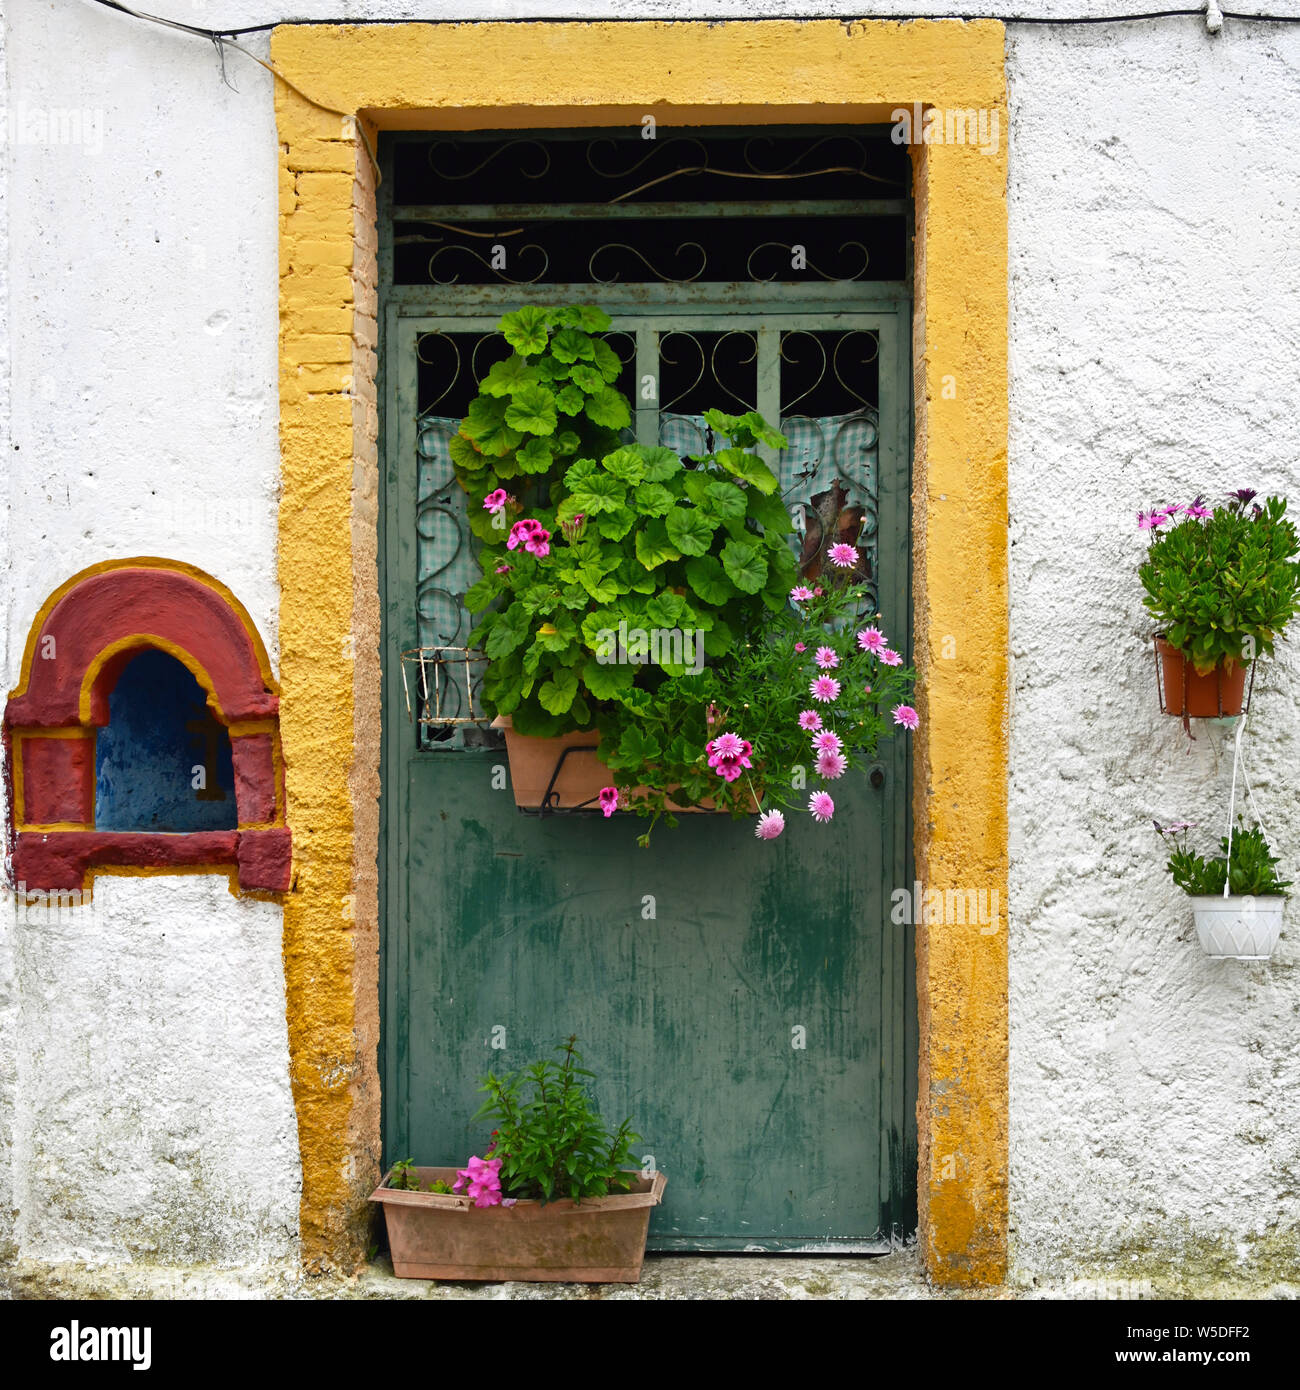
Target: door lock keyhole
x=877 y=777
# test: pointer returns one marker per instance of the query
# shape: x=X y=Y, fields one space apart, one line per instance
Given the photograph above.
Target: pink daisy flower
x=801 y=594
x=799 y=647
x=810 y=719
x=770 y=825
x=494 y=501
x=825 y=689
x=844 y=556
x=891 y=657
x=608 y=798
x=831 y=765
x=872 y=640
x=821 y=807
x=867 y=688
x=827 y=658
x=729 y=755
x=827 y=742
x=906 y=716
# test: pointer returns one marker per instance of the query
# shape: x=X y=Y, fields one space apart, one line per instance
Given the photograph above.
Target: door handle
x=877 y=777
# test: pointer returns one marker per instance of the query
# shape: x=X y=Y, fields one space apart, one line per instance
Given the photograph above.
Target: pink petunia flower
x=821 y=807
x=843 y=555
x=801 y=593
x=494 y=501
x=831 y=764
x=872 y=640
x=608 y=798
x=827 y=742
x=481 y=1180
x=890 y=657
x=825 y=689
x=906 y=716
x=770 y=825
x=810 y=719
x=827 y=658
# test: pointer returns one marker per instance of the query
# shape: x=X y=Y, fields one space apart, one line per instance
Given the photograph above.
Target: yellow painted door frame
x=340 y=84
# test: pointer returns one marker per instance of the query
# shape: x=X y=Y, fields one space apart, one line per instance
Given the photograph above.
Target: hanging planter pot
x=562 y=773
x=1186 y=693
x=1238 y=928
x=565 y=773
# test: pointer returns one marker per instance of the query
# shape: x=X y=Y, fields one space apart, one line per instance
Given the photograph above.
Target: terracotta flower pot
x=1188 y=694
x=600 y=1240
x=581 y=775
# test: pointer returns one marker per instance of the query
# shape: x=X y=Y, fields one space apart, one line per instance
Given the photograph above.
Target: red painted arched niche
x=81 y=640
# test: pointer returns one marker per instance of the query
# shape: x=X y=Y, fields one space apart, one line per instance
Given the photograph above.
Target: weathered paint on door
x=749 y=1004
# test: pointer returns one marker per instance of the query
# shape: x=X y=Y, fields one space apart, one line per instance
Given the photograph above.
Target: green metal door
x=750 y=1004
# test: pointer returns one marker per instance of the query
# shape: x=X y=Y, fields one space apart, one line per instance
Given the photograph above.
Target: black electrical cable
x=215 y=35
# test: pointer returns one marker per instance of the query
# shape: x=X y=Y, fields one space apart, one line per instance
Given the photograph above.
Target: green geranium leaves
x=609 y=408
x=532 y=409
x=745 y=565
x=653 y=574
x=526 y=329
x=690 y=531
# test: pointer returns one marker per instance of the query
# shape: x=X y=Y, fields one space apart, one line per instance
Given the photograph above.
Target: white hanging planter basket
x=1238 y=928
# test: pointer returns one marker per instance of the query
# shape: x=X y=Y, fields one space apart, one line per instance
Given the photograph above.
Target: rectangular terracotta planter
x=600 y=1240
x=581 y=775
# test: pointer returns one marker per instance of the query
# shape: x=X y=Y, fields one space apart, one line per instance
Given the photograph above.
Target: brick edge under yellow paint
x=461 y=76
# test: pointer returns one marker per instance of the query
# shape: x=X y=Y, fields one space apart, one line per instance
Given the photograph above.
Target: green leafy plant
x=550 y=1141
x=1223 y=583
x=1253 y=870
x=609 y=568
x=403 y=1177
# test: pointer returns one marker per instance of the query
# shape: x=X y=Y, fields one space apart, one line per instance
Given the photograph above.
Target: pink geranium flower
x=872 y=640
x=504 y=569
x=827 y=658
x=608 y=798
x=906 y=716
x=539 y=543
x=844 y=556
x=494 y=501
x=810 y=719
x=770 y=825
x=890 y=657
x=827 y=742
x=825 y=689
x=821 y=807
x=831 y=765
x=522 y=531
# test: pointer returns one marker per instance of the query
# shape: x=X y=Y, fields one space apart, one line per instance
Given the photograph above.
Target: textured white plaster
x=155 y=1119
x=1155 y=320
x=1155 y=323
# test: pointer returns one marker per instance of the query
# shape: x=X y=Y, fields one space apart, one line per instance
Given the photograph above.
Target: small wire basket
x=444 y=682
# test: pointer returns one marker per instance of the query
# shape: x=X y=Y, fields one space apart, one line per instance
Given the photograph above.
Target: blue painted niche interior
x=159 y=731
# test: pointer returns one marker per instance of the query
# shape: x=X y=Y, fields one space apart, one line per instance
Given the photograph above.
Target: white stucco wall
x=1155 y=322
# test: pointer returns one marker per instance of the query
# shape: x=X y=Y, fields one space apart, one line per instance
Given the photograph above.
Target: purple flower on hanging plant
x=1198 y=509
